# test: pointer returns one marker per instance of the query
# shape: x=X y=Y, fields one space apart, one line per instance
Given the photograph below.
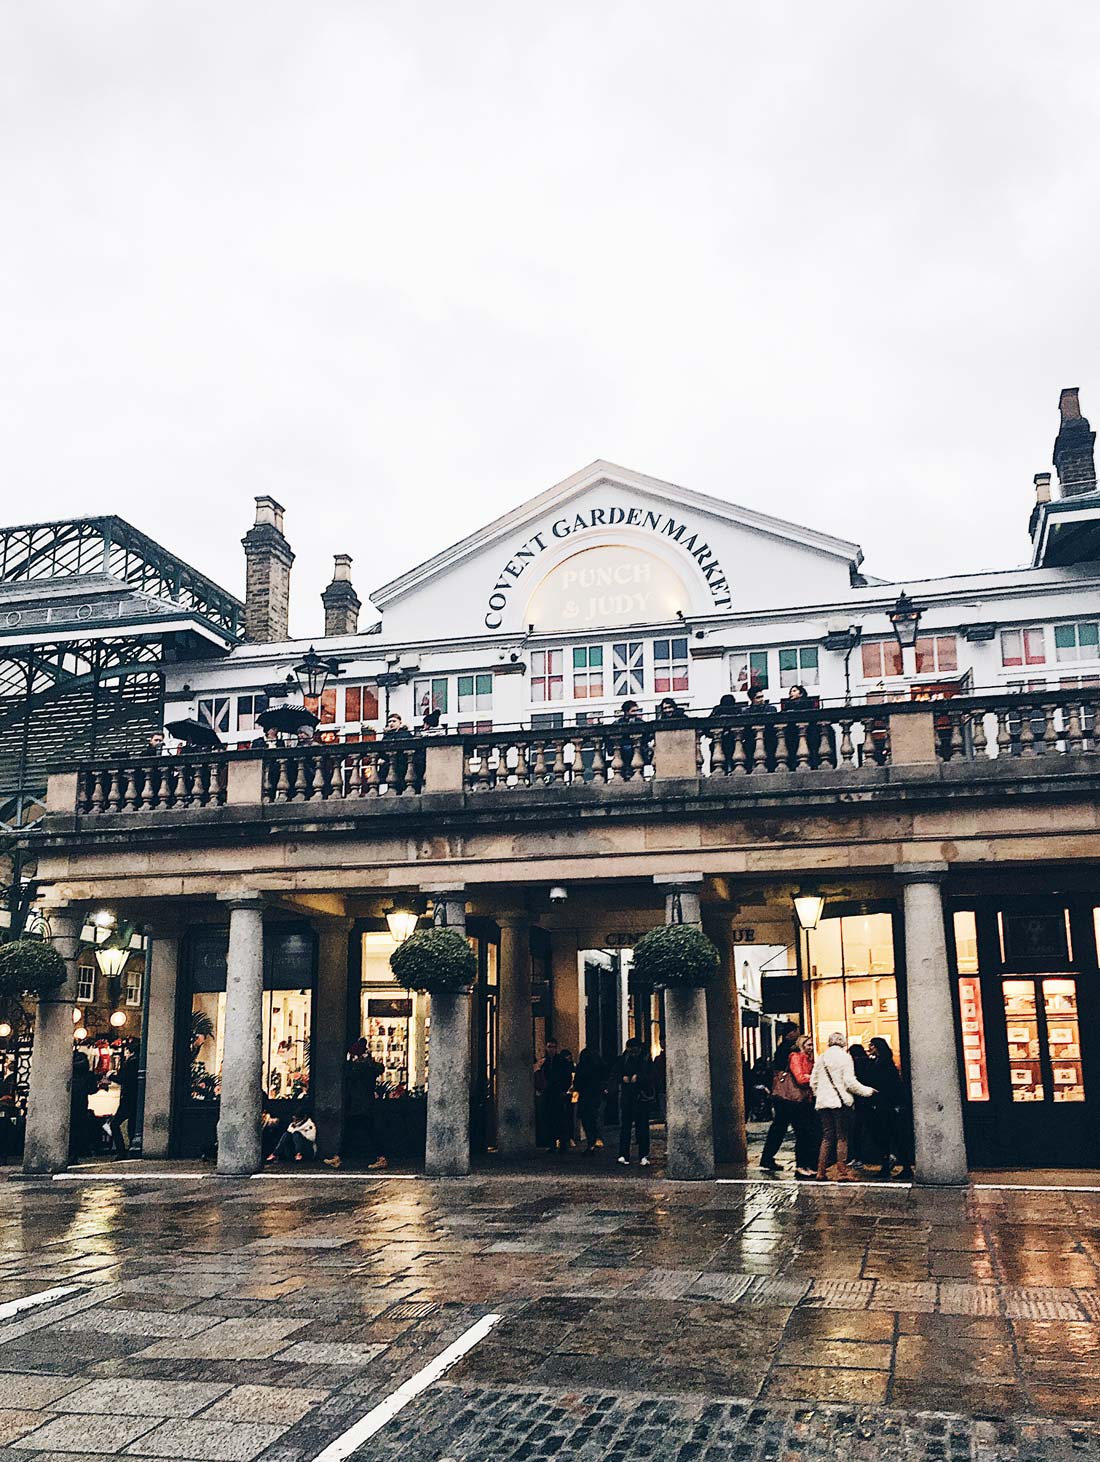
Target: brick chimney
x=1073 y=457
x=268 y=558
x=342 y=603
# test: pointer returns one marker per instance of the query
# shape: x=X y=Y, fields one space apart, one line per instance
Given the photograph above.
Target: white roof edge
x=703 y=502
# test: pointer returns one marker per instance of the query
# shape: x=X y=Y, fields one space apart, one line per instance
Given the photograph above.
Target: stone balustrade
x=788 y=746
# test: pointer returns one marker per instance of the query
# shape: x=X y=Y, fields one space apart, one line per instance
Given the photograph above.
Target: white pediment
x=611 y=547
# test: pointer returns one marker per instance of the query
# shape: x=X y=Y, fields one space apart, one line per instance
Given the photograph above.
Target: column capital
x=443 y=890
x=921 y=872
x=690 y=882
x=234 y=901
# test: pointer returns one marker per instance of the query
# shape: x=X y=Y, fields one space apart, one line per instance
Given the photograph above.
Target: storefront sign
x=662 y=525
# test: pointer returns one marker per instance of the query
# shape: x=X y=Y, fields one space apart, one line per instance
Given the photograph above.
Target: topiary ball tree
x=30 y=967
x=436 y=960
x=675 y=957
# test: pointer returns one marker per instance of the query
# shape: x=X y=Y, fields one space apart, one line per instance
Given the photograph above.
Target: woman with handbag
x=835 y=1089
x=791 y=1105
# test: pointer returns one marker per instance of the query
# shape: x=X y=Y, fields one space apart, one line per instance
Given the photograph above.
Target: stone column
x=516 y=1040
x=160 y=1040
x=689 y=1119
x=933 y=1059
x=447 y=1152
x=239 y=1144
x=329 y=1036
x=566 y=990
x=726 y=1076
x=46 y=1149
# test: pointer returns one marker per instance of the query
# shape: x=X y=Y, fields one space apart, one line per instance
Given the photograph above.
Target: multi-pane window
x=881 y=659
x=361 y=703
x=428 y=695
x=214 y=711
x=85 y=984
x=1023 y=647
x=547 y=677
x=475 y=693
x=670 y=665
x=628 y=667
x=750 y=672
x=936 y=653
x=248 y=708
x=798 y=666
x=133 y=986
x=587 y=672
x=1077 y=641
x=323 y=706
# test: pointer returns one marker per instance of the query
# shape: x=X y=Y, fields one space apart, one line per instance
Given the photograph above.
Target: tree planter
x=680 y=959
x=441 y=962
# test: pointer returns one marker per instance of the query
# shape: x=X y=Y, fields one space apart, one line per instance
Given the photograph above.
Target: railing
x=988 y=728
x=140 y=786
x=786 y=742
x=598 y=755
x=929 y=734
x=370 y=769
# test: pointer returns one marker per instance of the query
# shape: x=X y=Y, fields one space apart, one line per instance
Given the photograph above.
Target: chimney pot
x=1042 y=487
x=341 y=602
x=342 y=567
x=270 y=512
x=1069 y=403
x=268 y=558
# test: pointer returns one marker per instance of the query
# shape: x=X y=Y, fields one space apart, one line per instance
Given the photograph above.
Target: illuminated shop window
x=361 y=702
x=936 y=654
x=881 y=659
x=853 y=986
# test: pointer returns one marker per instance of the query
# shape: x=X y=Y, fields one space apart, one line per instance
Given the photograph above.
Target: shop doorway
x=1026 y=976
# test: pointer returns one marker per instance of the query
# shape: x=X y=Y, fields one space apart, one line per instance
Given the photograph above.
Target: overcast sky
x=405 y=265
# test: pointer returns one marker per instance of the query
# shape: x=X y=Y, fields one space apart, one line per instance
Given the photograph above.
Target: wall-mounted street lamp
x=905 y=617
x=402 y=922
x=111 y=959
x=808 y=908
x=314 y=673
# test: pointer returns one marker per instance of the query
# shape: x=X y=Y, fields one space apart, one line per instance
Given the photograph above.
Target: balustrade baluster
x=737 y=761
x=955 y=747
x=522 y=772
x=637 y=759
x=1027 y=733
x=1050 y=731
x=170 y=783
x=1004 y=733
x=718 y=766
x=187 y=784
x=978 y=737
x=616 y=761
x=352 y=774
x=753 y=739
x=483 y=782
x=847 y=746
x=114 y=795
x=1074 y=739
x=802 y=751
x=282 y=781
x=371 y=774
x=539 y=773
x=599 y=760
x=557 y=771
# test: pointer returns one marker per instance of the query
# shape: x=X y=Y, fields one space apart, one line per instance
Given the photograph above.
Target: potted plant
x=675 y=957
x=437 y=960
x=30 y=967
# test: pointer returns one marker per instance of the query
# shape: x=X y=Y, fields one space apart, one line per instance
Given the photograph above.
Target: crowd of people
x=94 y=1129
x=847 y=1110
x=574 y=1100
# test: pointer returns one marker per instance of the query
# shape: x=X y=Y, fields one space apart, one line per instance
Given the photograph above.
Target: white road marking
x=386 y=1410
x=1034 y=1188
x=326 y=1177
x=130 y=1177
x=29 y=1301
x=816 y=1184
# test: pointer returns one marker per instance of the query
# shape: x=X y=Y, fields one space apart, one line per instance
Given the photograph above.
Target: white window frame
x=85 y=984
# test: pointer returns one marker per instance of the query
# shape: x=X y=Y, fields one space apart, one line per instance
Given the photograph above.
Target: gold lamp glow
x=78 y=1015
x=808 y=908
x=402 y=922
x=5 y=1030
x=118 y=1019
x=80 y=1034
x=112 y=960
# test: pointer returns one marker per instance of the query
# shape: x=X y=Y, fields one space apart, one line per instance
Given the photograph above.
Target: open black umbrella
x=286 y=718
x=195 y=733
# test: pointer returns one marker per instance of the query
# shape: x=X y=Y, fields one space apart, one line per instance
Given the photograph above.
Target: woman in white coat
x=835 y=1088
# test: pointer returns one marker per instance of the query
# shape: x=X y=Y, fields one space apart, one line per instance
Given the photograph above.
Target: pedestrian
x=807 y=1128
x=126 y=1111
x=834 y=1085
x=361 y=1079
x=789 y=1098
x=890 y=1120
x=631 y=739
x=155 y=745
x=553 y=1081
x=80 y=1125
x=633 y=1079
x=669 y=710
x=860 y=1145
x=589 y=1083
x=759 y=753
x=394 y=760
x=299 y=1141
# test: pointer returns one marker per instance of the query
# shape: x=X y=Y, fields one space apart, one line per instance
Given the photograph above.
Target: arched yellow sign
x=607 y=586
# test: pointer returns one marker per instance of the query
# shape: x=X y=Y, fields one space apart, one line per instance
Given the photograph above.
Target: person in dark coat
x=726 y=711
x=556 y=1073
x=82 y=1087
x=632 y=1076
x=787 y=1114
x=127 y=1100
x=860 y=1143
x=361 y=1079
x=632 y=735
x=890 y=1116
x=590 y=1082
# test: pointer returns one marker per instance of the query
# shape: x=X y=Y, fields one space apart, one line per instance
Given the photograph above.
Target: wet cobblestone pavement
x=231 y=1320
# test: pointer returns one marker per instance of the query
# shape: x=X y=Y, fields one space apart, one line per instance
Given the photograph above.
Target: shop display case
x=1025 y=1071
x=1063 y=1039
x=975 y=1069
